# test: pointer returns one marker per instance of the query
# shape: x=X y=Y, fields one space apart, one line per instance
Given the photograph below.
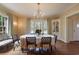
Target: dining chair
x=46 y=44
x=16 y=41
x=31 y=43
x=55 y=36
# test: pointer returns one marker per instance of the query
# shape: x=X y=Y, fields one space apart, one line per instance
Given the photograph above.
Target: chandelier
x=39 y=14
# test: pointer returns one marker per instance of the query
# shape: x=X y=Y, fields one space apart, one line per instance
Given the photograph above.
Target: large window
x=39 y=24
x=3 y=24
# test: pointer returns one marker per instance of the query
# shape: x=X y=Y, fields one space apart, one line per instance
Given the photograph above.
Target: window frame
x=4 y=24
x=43 y=26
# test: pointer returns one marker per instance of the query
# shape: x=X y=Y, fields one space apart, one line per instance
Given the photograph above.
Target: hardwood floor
x=71 y=48
x=61 y=49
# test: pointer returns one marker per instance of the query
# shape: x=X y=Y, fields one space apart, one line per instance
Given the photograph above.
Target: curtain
x=39 y=24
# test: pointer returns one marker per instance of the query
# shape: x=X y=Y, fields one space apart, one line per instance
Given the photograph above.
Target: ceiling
x=28 y=9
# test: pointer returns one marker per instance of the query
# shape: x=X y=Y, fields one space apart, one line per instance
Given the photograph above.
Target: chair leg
x=41 y=50
x=13 y=48
x=51 y=48
x=55 y=47
x=22 y=49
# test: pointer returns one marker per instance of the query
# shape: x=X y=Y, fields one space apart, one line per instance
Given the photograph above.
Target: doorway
x=73 y=27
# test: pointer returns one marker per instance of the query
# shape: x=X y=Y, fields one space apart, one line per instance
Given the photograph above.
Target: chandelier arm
x=38 y=12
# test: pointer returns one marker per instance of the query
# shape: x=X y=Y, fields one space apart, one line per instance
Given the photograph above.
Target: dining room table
x=38 y=39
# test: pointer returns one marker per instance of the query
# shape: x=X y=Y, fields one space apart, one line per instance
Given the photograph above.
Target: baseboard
x=64 y=41
x=73 y=41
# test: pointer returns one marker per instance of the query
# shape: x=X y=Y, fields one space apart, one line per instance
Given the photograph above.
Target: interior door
x=76 y=29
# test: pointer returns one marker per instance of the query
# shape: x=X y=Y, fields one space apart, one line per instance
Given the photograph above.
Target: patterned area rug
x=17 y=51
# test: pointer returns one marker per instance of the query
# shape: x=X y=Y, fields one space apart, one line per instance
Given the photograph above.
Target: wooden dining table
x=38 y=39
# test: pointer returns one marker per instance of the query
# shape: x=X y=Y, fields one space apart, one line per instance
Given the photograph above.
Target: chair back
x=31 y=40
x=46 y=40
x=46 y=44
x=15 y=38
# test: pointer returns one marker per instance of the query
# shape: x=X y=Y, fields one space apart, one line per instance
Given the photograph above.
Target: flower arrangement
x=38 y=31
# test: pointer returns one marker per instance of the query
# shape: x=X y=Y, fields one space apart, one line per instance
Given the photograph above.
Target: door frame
x=66 y=25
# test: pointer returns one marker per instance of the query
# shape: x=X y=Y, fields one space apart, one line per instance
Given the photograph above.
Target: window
x=3 y=24
x=55 y=25
x=39 y=24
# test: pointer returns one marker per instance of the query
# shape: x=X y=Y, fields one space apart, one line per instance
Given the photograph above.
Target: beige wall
x=64 y=22
x=22 y=25
x=15 y=24
x=49 y=21
x=19 y=25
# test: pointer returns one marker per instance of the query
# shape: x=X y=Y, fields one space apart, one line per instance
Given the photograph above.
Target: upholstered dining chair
x=46 y=44
x=16 y=41
x=56 y=38
x=31 y=43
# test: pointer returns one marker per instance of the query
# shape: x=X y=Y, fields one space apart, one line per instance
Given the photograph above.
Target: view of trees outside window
x=3 y=24
x=40 y=24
